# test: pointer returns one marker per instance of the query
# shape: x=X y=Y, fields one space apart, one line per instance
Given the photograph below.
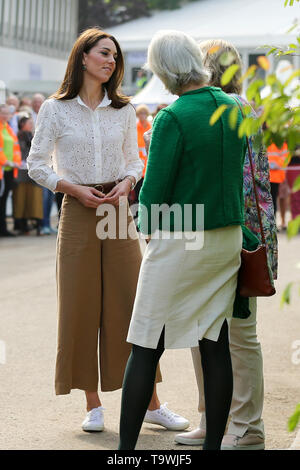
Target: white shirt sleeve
x=39 y=160
x=134 y=165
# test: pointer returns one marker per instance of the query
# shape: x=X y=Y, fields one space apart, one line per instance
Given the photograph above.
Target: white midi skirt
x=188 y=291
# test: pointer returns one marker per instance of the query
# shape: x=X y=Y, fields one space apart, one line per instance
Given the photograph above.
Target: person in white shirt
x=48 y=196
x=85 y=146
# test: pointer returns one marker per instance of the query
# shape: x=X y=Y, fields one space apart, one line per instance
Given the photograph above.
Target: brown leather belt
x=104 y=188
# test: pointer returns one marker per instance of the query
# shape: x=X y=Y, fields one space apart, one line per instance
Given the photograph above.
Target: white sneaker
x=192 y=438
x=166 y=418
x=45 y=231
x=94 y=420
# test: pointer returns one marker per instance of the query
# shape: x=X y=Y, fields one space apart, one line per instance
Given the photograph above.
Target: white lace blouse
x=82 y=146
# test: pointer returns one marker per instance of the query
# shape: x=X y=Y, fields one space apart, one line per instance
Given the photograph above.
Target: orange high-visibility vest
x=16 y=149
x=278 y=156
x=141 y=143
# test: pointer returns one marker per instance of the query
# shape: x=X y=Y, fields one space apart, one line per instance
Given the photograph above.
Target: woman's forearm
x=65 y=187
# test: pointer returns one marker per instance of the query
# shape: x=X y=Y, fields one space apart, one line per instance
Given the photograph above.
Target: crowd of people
x=283 y=173
x=31 y=203
x=89 y=144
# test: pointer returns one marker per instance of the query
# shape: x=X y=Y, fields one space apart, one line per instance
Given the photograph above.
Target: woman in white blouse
x=85 y=146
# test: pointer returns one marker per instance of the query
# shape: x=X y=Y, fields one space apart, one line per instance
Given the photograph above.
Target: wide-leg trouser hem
x=96 y=285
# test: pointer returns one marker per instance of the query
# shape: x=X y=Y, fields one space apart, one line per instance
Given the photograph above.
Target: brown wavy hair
x=73 y=79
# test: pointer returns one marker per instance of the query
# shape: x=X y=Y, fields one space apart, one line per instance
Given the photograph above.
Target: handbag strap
x=253 y=179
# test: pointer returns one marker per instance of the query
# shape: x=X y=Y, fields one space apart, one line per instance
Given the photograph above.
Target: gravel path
x=32 y=417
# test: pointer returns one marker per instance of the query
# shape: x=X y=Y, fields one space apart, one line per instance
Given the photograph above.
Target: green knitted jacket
x=192 y=163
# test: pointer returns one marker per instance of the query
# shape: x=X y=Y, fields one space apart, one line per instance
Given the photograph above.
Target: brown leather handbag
x=255 y=277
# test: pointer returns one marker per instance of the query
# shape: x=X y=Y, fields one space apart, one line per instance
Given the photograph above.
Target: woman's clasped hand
x=92 y=197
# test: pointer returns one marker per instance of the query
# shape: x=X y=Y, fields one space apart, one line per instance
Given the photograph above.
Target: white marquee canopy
x=153 y=94
x=245 y=23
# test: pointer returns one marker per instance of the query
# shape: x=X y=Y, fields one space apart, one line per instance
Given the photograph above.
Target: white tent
x=283 y=72
x=245 y=23
x=2 y=92
x=153 y=94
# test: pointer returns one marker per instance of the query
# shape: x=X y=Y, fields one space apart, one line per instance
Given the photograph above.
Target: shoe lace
x=94 y=413
x=164 y=411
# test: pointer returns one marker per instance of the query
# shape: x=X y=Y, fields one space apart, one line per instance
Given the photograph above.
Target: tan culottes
x=96 y=286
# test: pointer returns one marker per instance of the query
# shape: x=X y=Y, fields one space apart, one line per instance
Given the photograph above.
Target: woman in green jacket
x=191 y=209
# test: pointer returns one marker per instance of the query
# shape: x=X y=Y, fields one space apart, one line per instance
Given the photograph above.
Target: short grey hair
x=176 y=59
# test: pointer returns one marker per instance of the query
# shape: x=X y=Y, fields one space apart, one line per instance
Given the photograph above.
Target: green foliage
x=293 y=227
x=233 y=116
x=229 y=74
x=226 y=59
x=217 y=114
x=292 y=49
x=278 y=117
x=279 y=106
x=107 y=13
x=294 y=419
x=290 y=2
x=296 y=185
x=286 y=296
x=163 y=4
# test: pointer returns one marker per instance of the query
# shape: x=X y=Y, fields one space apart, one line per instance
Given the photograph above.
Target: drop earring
x=84 y=67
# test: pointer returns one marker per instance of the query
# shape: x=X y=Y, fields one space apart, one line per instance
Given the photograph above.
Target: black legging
x=8 y=182
x=139 y=383
x=274 y=193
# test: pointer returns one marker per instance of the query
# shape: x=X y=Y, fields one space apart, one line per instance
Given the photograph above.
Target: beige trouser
x=96 y=285
x=28 y=201
x=248 y=387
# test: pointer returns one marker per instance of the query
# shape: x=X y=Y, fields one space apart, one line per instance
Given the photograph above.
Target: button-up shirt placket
x=96 y=115
x=103 y=148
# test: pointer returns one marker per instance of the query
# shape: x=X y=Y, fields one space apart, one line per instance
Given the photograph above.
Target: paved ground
x=32 y=417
